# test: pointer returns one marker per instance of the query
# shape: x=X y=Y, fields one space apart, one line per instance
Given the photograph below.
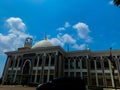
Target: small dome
x=43 y=43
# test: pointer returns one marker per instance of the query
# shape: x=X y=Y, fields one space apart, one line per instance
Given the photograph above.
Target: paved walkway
x=7 y=87
x=110 y=89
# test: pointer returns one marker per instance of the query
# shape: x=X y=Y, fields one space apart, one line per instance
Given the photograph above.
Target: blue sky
x=81 y=24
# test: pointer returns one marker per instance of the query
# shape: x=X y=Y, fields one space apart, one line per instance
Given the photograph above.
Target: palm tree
x=117 y=2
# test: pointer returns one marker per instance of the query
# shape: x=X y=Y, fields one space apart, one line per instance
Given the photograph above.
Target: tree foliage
x=0 y=80
x=117 y=2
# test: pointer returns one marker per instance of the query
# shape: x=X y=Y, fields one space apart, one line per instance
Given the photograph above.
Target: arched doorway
x=26 y=72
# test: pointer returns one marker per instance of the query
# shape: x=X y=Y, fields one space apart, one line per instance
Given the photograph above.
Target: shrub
x=0 y=80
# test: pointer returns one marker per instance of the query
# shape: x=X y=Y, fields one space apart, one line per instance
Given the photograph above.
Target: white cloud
x=66 y=38
x=16 y=35
x=15 y=25
x=83 y=31
x=88 y=39
x=56 y=42
x=111 y=2
x=80 y=47
x=62 y=39
x=67 y=24
x=61 y=28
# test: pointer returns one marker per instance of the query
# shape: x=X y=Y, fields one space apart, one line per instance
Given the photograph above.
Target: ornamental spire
x=45 y=37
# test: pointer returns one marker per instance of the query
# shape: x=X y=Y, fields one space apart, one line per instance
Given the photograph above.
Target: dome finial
x=45 y=37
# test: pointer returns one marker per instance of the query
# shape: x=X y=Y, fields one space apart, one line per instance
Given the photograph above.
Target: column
x=59 y=65
x=96 y=76
x=81 y=68
x=56 y=67
x=68 y=67
x=118 y=67
x=36 y=71
x=43 y=65
x=103 y=72
x=48 y=76
x=16 y=69
x=112 y=77
x=88 y=72
x=21 y=76
x=13 y=68
x=6 y=70
x=75 y=67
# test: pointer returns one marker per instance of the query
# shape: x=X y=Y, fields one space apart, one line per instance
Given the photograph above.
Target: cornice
x=38 y=50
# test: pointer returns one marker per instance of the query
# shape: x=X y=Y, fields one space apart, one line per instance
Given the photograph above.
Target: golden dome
x=43 y=43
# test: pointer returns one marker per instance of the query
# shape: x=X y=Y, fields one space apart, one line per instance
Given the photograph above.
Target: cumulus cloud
x=62 y=39
x=83 y=31
x=16 y=35
x=66 y=25
x=56 y=42
x=80 y=47
x=15 y=24
x=83 y=35
x=66 y=38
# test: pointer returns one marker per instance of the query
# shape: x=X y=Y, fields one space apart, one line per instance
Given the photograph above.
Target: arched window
x=106 y=63
x=98 y=64
x=52 y=60
x=35 y=61
x=47 y=60
x=77 y=63
x=16 y=62
x=92 y=64
x=20 y=62
x=84 y=64
x=26 y=67
x=66 y=63
x=11 y=63
x=71 y=63
x=40 y=61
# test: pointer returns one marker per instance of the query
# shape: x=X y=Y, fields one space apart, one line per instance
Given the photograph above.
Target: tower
x=28 y=42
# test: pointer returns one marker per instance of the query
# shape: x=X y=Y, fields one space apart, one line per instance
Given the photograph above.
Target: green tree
x=117 y=2
x=0 y=80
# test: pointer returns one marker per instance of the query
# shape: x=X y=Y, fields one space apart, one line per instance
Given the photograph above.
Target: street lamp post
x=112 y=67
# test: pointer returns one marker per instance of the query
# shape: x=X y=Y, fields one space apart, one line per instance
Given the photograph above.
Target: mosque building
x=44 y=61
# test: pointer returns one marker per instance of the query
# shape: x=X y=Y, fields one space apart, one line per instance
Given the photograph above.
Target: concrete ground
x=7 y=87
x=19 y=87
x=110 y=89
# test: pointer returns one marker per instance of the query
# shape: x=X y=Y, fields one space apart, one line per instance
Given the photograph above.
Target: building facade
x=43 y=62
